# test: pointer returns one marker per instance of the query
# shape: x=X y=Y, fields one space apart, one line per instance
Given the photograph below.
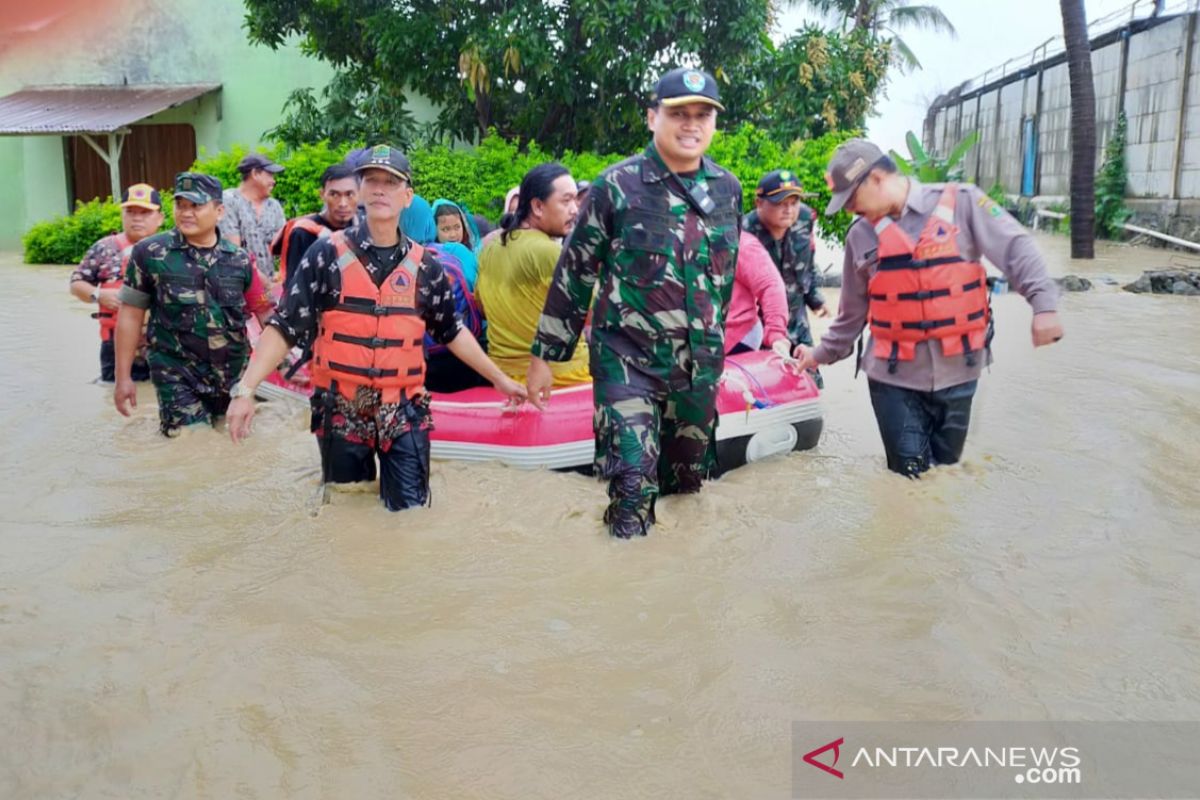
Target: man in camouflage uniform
x=659 y=234
x=784 y=225
x=98 y=277
x=198 y=288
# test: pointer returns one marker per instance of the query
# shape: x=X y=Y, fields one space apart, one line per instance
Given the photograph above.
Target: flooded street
x=177 y=621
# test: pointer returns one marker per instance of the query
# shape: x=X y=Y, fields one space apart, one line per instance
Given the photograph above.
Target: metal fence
x=1144 y=62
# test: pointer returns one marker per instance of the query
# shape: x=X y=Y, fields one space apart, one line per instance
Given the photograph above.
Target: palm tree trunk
x=1083 y=129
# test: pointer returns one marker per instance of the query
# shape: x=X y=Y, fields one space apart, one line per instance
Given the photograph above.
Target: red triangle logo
x=811 y=758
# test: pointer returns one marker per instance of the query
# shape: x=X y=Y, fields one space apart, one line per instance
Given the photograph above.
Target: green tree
x=815 y=82
x=350 y=109
x=568 y=74
x=886 y=19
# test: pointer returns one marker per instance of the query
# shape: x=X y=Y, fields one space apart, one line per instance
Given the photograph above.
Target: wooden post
x=111 y=156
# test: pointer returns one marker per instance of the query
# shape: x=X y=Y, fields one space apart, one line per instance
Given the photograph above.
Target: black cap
x=682 y=86
x=386 y=158
x=255 y=161
x=197 y=187
x=356 y=155
x=778 y=185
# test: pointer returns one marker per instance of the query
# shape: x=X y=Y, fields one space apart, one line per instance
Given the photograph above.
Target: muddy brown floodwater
x=175 y=622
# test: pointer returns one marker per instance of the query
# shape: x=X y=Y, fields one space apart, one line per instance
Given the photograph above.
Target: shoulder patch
x=989 y=205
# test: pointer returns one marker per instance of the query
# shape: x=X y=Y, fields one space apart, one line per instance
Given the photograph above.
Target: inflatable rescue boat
x=765 y=407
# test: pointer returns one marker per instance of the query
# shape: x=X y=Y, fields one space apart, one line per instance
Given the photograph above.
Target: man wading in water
x=659 y=234
x=912 y=273
x=365 y=297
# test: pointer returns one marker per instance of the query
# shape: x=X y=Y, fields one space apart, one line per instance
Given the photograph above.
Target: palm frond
x=929 y=18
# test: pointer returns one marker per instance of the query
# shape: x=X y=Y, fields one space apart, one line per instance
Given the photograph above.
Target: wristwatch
x=95 y=294
x=239 y=390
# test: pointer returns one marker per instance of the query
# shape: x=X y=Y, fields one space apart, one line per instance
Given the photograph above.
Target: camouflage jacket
x=793 y=255
x=101 y=263
x=199 y=300
x=665 y=275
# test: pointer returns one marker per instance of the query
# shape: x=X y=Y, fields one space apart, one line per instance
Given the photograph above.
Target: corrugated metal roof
x=89 y=109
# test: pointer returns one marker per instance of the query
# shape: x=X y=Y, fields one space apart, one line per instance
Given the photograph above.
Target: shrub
x=65 y=239
x=478 y=178
x=1111 y=211
x=809 y=159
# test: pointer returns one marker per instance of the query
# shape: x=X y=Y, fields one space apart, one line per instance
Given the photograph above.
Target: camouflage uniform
x=665 y=275
x=199 y=300
x=102 y=264
x=793 y=255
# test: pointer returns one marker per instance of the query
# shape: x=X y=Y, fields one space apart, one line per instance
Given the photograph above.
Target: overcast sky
x=990 y=32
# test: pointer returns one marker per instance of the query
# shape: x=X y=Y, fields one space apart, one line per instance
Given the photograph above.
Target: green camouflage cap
x=197 y=187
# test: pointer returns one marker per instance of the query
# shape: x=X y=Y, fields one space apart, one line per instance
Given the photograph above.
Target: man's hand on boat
x=1047 y=328
x=802 y=354
x=515 y=392
x=470 y=353
x=538 y=381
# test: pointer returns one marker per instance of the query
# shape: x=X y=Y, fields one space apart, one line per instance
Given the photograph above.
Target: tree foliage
x=816 y=82
x=886 y=19
x=1111 y=211
x=477 y=177
x=569 y=75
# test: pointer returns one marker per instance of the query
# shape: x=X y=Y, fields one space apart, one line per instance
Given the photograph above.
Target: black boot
x=625 y=523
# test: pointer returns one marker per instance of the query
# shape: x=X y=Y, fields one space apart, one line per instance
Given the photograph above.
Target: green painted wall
x=146 y=42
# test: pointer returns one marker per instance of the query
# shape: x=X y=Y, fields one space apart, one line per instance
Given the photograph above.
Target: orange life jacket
x=374 y=335
x=927 y=290
x=283 y=240
x=108 y=316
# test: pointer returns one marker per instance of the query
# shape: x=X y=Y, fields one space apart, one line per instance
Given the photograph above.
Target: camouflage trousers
x=650 y=444
x=189 y=394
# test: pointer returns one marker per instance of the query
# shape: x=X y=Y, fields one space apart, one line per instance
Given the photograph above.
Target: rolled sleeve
x=135 y=298
x=138 y=287
x=574 y=279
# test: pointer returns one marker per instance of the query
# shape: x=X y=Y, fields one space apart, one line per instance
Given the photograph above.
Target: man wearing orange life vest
x=339 y=197
x=912 y=273
x=97 y=279
x=365 y=297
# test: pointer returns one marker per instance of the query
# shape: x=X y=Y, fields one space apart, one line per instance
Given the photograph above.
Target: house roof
x=41 y=110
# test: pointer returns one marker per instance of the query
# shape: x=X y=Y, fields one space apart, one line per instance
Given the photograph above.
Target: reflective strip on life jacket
x=108 y=316
x=374 y=335
x=927 y=290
